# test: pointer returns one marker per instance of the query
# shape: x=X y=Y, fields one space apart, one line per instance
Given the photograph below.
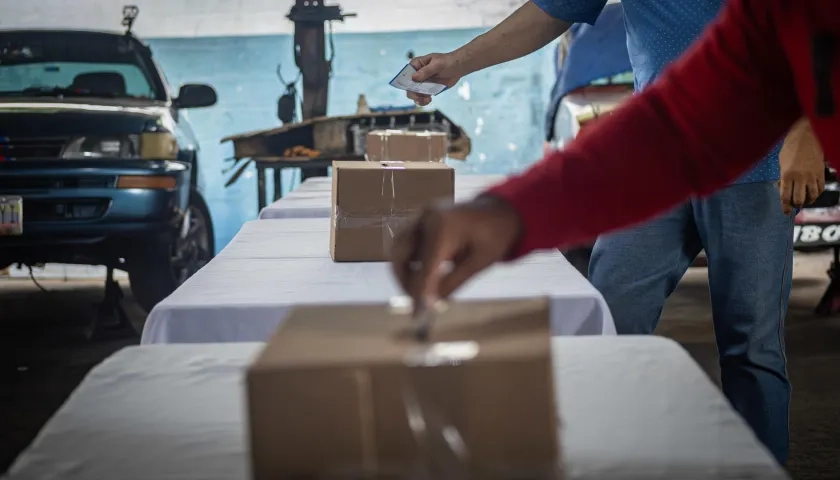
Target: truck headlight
x=151 y=145
x=124 y=146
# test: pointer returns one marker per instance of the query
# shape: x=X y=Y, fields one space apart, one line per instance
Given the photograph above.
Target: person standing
x=745 y=232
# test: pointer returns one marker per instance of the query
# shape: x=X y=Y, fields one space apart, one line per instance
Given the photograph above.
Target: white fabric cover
x=631 y=408
x=273 y=265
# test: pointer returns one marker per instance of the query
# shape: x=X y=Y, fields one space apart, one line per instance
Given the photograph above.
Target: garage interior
x=287 y=81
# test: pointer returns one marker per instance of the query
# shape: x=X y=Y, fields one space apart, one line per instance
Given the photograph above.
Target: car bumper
x=817 y=228
x=818 y=225
x=77 y=203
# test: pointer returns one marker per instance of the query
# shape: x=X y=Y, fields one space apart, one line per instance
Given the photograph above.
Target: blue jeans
x=748 y=243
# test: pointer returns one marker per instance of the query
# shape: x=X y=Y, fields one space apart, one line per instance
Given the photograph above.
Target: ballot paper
x=403 y=81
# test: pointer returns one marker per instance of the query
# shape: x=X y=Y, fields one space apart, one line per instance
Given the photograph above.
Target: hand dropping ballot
x=403 y=81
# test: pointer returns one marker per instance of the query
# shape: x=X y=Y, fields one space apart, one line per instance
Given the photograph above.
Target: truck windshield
x=75 y=64
x=108 y=80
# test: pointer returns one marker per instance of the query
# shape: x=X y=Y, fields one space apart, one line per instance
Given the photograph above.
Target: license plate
x=11 y=215
x=816 y=235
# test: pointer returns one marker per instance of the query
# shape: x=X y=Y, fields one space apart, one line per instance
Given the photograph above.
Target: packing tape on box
x=390 y=223
x=442 y=451
x=384 y=144
x=423 y=319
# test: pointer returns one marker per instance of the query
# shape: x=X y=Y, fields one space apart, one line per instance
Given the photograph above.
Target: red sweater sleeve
x=705 y=121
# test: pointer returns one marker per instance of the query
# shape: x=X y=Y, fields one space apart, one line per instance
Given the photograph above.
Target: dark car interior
x=100 y=83
x=21 y=47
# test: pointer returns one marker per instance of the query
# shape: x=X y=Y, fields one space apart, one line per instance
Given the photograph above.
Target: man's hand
x=443 y=68
x=525 y=31
x=449 y=244
x=803 y=168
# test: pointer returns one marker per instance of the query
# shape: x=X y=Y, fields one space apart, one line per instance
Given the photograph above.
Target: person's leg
x=748 y=242
x=637 y=269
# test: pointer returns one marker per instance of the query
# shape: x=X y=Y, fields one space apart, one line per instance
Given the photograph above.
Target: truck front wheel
x=156 y=269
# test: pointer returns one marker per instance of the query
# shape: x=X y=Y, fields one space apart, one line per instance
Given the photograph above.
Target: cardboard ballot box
x=371 y=201
x=349 y=392
x=406 y=146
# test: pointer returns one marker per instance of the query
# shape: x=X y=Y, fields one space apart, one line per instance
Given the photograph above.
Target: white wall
x=202 y=18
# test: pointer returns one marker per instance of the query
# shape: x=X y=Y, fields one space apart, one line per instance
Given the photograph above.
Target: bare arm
x=525 y=31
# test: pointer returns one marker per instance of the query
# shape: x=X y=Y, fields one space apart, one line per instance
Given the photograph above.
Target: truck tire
x=156 y=269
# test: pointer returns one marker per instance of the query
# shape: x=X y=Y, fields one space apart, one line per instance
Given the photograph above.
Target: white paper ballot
x=403 y=81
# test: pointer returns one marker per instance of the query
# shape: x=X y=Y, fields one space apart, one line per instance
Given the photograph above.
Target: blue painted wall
x=501 y=108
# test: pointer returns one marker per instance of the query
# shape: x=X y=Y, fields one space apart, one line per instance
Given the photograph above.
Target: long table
x=312 y=199
x=630 y=408
x=271 y=266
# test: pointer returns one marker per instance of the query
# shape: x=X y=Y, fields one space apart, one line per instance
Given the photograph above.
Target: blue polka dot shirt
x=658 y=32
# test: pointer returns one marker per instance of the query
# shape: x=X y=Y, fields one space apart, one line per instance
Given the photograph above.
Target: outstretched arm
x=525 y=31
x=529 y=28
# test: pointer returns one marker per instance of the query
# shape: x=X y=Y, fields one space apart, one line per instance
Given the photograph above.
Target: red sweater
x=707 y=120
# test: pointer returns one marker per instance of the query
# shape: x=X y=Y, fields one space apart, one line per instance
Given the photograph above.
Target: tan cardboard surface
x=334 y=389
x=371 y=201
x=406 y=146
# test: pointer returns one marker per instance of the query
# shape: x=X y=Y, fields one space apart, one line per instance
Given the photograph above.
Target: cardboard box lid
x=368 y=334
x=342 y=388
x=408 y=146
x=353 y=165
x=390 y=187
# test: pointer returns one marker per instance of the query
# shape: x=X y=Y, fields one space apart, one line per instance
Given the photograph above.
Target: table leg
x=261 y=195
x=829 y=304
x=278 y=183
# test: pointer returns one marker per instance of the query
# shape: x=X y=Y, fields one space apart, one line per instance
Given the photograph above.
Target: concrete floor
x=44 y=355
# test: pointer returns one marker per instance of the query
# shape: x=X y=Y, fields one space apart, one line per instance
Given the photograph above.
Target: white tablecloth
x=631 y=408
x=273 y=265
x=312 y=199
x=314 y=184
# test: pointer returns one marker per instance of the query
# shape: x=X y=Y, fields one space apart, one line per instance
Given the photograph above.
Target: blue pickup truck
x=98 y=164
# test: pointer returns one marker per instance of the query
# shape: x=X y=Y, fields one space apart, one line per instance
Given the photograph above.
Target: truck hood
x=28 y=118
